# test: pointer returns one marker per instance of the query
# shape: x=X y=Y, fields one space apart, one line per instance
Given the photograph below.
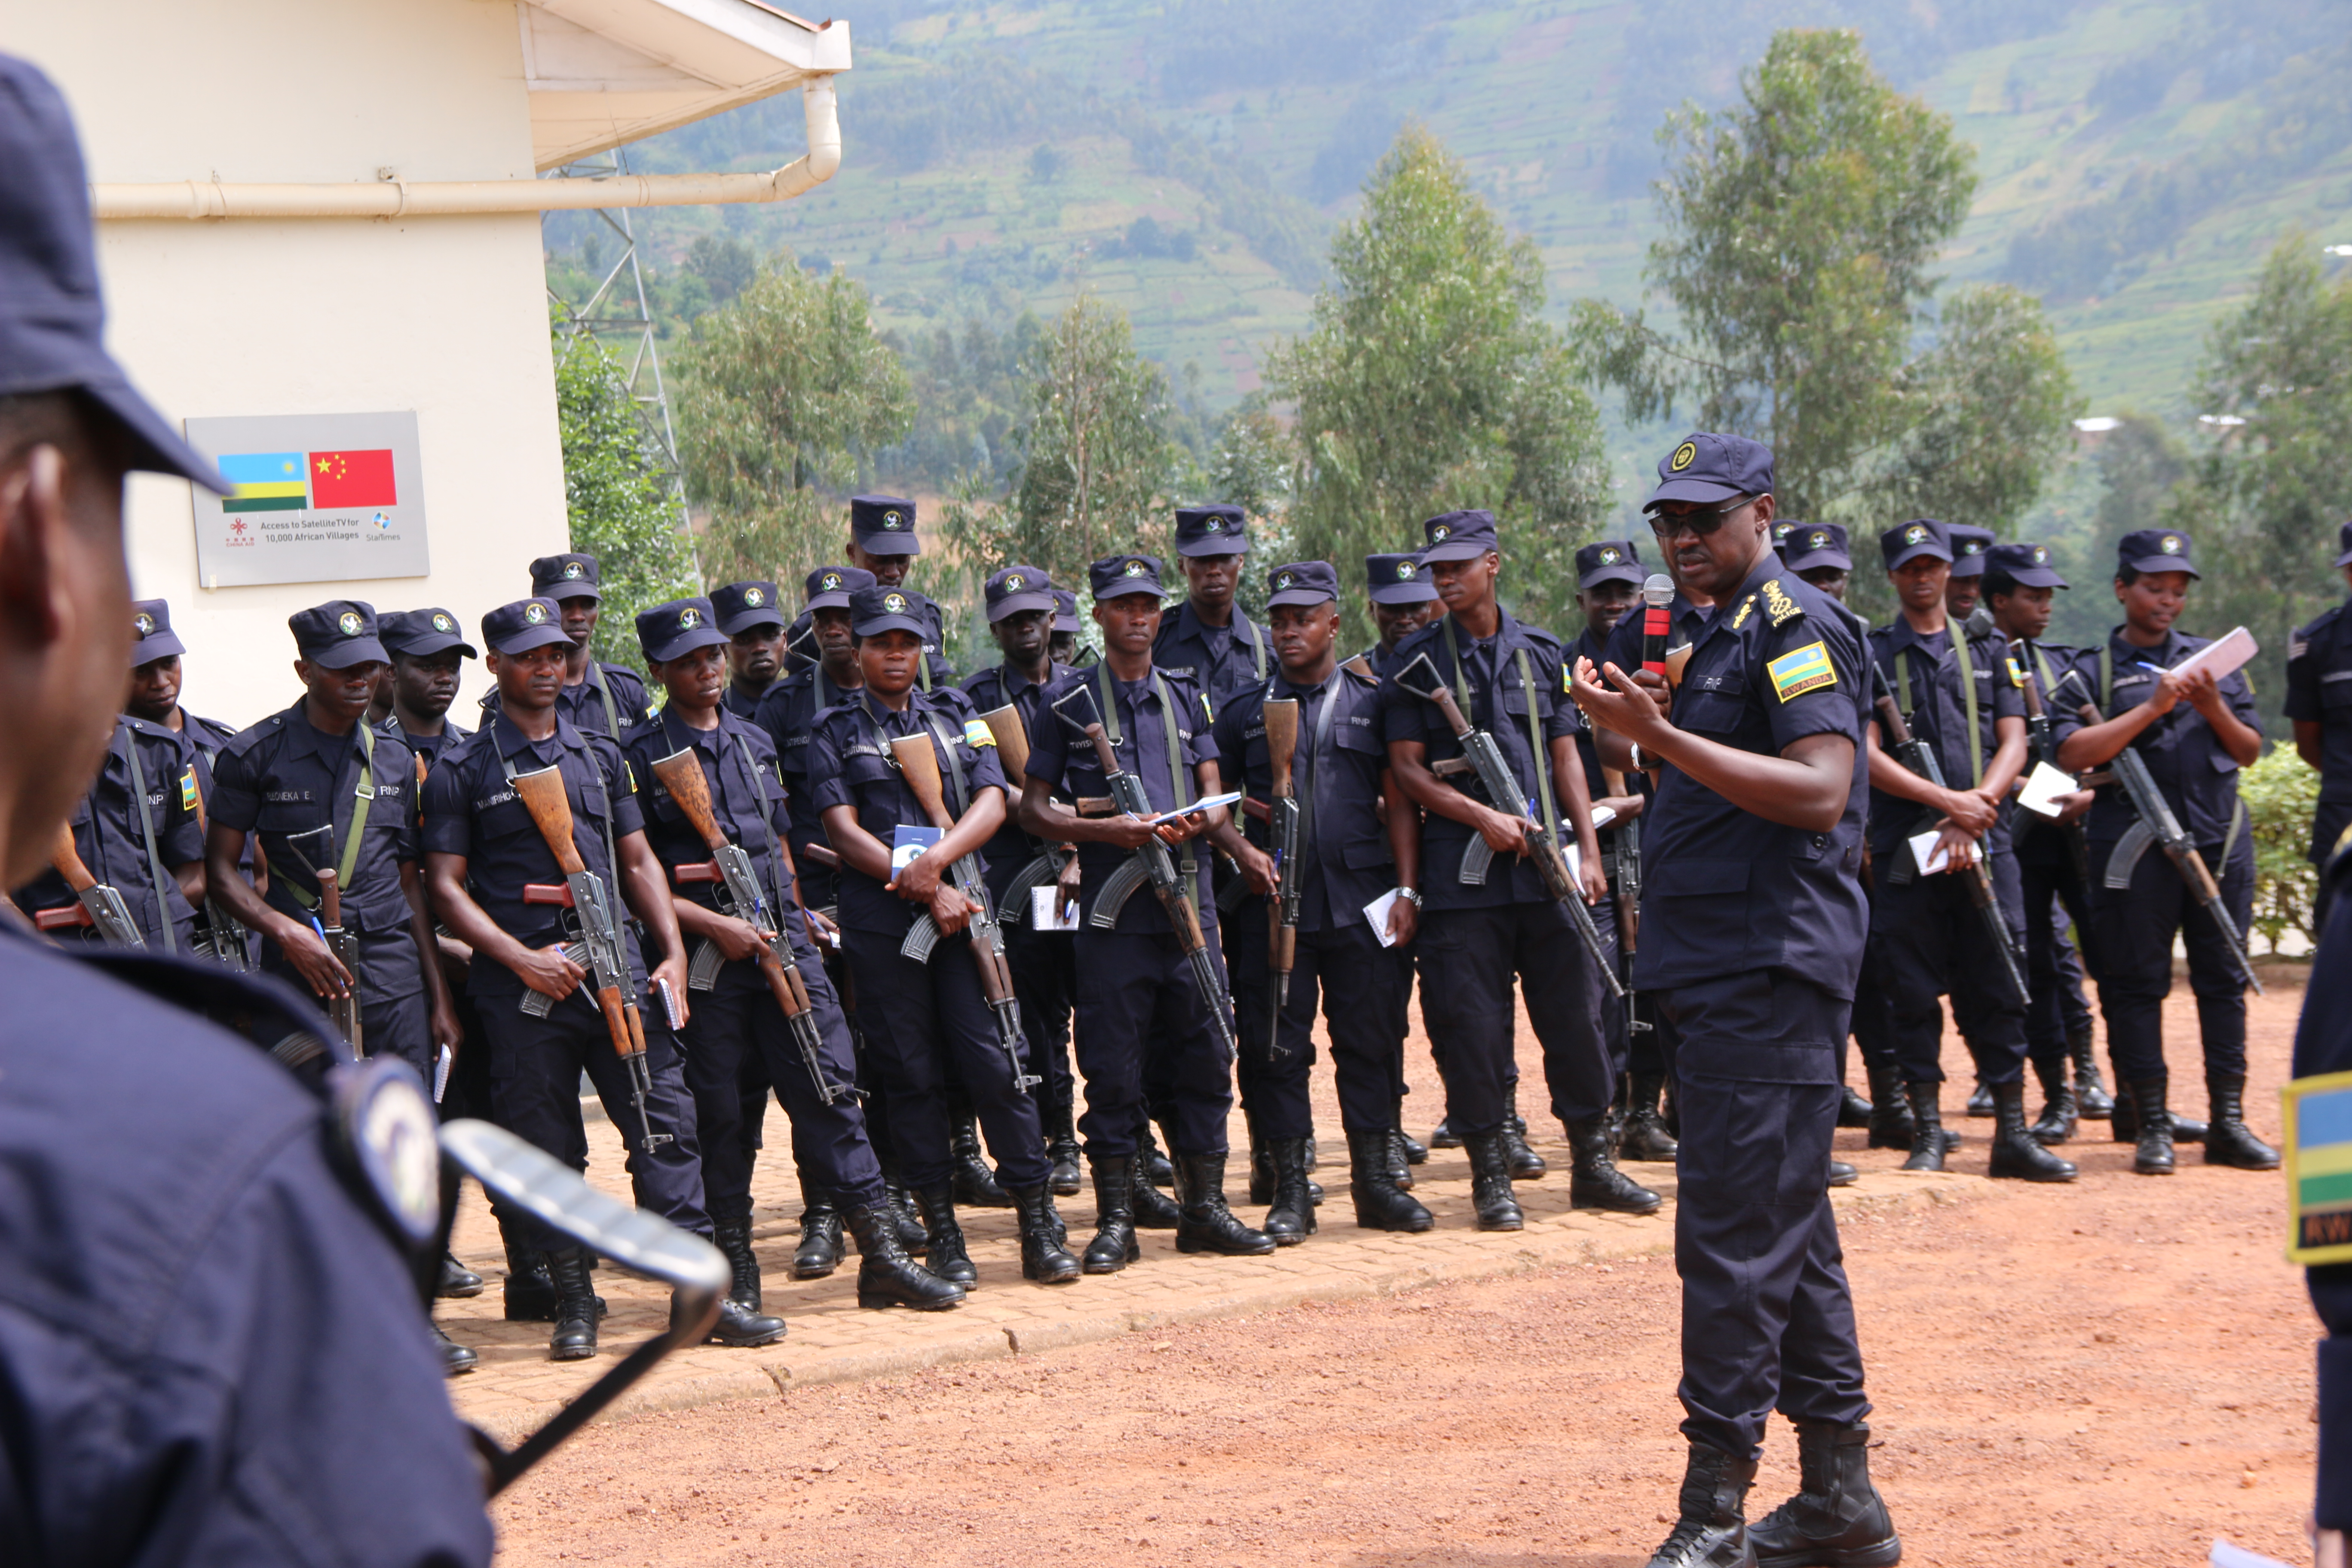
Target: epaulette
x=1360 y=667
x=244 y=741
x=1778 y=608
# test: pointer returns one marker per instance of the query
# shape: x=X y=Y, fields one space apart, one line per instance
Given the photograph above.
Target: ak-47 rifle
x=919 y=765
x=1013 y=751
x=1494 y=774
x=102 y=906
x=1152 y=862
x=2155 y=824
x=599 y=941
x=2038 y=730
x=681 y=775
x=1920 y=758
x=344 y=1007
x=1290 y=881
x=1629 y=896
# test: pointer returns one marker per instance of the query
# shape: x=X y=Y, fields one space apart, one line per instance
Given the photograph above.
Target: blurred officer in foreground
x=598 y=698
x=306 y=1421
x=2319 y=705
x=755 y=642
x=2323 y=1045
x=1755 y=937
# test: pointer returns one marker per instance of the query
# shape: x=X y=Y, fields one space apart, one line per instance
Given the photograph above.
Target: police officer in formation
x=599 y=698
x=1398 y=588
x=429 y=652
x=754 y=626
x=883 y=541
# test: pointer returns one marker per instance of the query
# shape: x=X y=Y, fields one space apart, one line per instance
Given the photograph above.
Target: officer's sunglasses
x=1698 y=522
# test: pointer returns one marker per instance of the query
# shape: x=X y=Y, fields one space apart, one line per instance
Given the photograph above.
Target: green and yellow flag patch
x=188 y=790
x=976 y=734
x=1806 y=670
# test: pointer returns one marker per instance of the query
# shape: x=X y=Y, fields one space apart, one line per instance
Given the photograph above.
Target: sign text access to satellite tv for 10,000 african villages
x=323 y=498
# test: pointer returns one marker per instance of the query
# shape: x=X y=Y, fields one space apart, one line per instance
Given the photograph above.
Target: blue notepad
x=907 y=842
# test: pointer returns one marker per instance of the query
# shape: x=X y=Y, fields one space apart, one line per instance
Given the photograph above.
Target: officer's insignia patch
x=442 y=623
x=976 y=733
x=1685 y=454
x=688 y=618
x=146 y=623
x=1132 y=569
x=188 y=790
x=1807 y=670
x=1777 y=605
x=1971 y=546
x=1913 y=534
x=387 y=1125
x=1819 y=539
x=351 y=622
x=895 y=603
x=1609 y=557
x=1015 y=584
x=829 y=582
x=1212 y=523
x=2169 y=545
x=2040 y=555
x=893 y=520
x=1405 y=569
x=1782 y=530
x=755 y=597
x=1746 y=606
x=534 y=614
x=1437 y=535
x=2297 y=646
x=573 y=571
x=1285 y=580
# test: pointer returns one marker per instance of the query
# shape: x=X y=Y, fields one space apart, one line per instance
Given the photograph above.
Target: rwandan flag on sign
x=265 y=482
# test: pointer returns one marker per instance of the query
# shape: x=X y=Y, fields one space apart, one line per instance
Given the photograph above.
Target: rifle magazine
x=703 y=972
x=922 y=937
x=1115 y=891
x=1477 y=856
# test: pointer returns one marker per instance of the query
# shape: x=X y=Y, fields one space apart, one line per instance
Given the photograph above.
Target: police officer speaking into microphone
x=1755 y=936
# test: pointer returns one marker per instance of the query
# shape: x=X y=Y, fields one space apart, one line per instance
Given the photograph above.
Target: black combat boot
x=1290 y=1219
x=2016 y=1153
x=887 y=1277
x=1441 y=1135
x=733 y=1238
x=1043 y=1257
x=901 y=1204
x=457 y=1360
x=530 y=1296
x=456 y=1280
x=2090 y=1090
x=574 y=1338
x=2228 y=1140
x=1261 y=1167
x=1842 y=1174
x=1114 y=1246
x=1490 y=1183
x=1594 y=1182
x=943 y=1248
x=1929 y=1142
x=742 y=1329
x=1381 y=1203
x=2060 y=1111
x=2151 y=1125
x=1712 y=1531
x=1645 y=1138
x=1206 y=1223
x=1061 y=1149
x=1526 y=1165
x=1980 y=1099
x=1891 y=1125
x=1853 y=1109
x=819 y=1253
x=974 y=1184
x=1400 y=1161
x=1837 y=1517
x=1416 y=1152
x=1151 y=1165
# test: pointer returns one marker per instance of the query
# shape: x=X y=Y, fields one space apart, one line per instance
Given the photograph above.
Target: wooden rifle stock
x=1011 y=740
x=542 y=794
x=918 y=763
x=681 y=775
x=1282 y=935
x=68 y=861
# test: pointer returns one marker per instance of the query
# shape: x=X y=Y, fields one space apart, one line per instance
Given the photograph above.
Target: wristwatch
x=1410 y=896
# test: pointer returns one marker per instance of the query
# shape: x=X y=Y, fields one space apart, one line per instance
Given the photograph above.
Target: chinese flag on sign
x=351 y=479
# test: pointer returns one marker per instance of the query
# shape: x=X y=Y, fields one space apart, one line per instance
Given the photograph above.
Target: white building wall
x=445 y=316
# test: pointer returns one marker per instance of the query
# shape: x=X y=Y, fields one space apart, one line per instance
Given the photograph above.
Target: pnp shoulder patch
x=1807 y=669
x=976 y=734
x=1777 y=605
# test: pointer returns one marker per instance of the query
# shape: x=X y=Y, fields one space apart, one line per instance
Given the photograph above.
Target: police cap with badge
x=1608 y=561
x=568 y=576
x=337 y=635
x=1809 y=546
x=1212 y=530
x=2026 y=564
x=1969 y=543
x=150 y=619
x=2154 y=550
x=676 y=630
x=884 y=525
x=421 y=633
x=523 y=625
x=878 y=609
x=830 y=587
x=1707 y=466
x=739 y=606
x=1116 y=576
x=1302 y=583
x=1398 y=579
x=1458 y=536
x=1018 y=590
x=1908 y=542
x=1065 y=610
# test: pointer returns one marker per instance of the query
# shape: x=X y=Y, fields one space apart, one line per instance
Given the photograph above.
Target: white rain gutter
x=452 y=198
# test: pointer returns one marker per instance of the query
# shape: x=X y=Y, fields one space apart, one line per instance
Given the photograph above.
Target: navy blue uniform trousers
x=1467 y=959
x=2134 y=929
x=1136 y=1001
x=2055 y=964
x=1044 y=967
x=535 y=1067
x=1768 y=1317
x=1926 y=938
x=1362 y=986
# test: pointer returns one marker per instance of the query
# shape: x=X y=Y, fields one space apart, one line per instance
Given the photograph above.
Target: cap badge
x=1782 y=530
x=1212 y=523
x=2040 y=555
x=146 y=623
x=1015 y=584
x=441 y=623
x=829 y=582
x=573 y=571
x=755 y=597
x=1609 y=556
x=1285 y=580
x=1970 y=547
x=1437 y=535
x=688 y=618
x=534 y=614
x=895 y=603
x=893 y=519
x=2169 y=545
x=1132 y=569
x=351 y=622
x=1913 y=534
x=1818 y=539
x=1405 y=570
x=1685 y=455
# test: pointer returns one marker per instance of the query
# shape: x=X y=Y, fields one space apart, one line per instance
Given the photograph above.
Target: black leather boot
x=1204 y=1223
x=1842 y=1174
x=1061 y=1149
x=1853 y=1109
x=2151 y=1124
x=1043 y=1257
x=1151 y=1163
x=1526 y=1165
x=2122 y=1121
x=1594 y=1182
x=1400 y=1159
x=1152 y=1208
x=2016 y=1154
x=2090 y=1090
x=2228 y=1140
x=529 y=1290
x=456 y=1280
x=887 y=1277
x=1837 y=1516
x=1261 y=1168
x=1441 y=1135
x=1645 y=1138
x=1416 y=1152
x=574 y=1338
x=1712 y=1531
x=1290 y=1219
x=457 y=1360
x=1929 y=1142
x=943 y=1248
x=819 y=1253
x=974 y=1184
x=1891 y=1126
x=1381 y=1203
x=742 y=1329
x=1491 y=1197
x=1980 y=1099
x=1114 y=1246
x=904 y=1213
x=2060 y=1115
x=733 y=1238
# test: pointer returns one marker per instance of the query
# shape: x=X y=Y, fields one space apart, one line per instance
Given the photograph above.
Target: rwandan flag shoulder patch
x=976 y=734
x=188 y=790
x=1806 y=670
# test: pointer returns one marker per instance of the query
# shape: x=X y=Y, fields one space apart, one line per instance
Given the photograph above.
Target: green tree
x=1429 y=383
x=619 y=493
x=778 y=393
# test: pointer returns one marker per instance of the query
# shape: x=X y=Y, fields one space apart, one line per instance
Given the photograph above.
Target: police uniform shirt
x=427 y=748
x=788 y=712
x=583 y=705
x=850 y=764
x=742 y=706
x=1382 y=661
x=739 y=766
x=1067 y=761
x=110 y=827
x=471 y=809
x=1491 y=667
x=997 y=687
x=286 y=776
x=2038 y=840
x=1224 y=662
x=1724 y=890
x=1928 y=669
x=213 y=1355
x=1336 y=774
x=208 y=736
x=2198 y=778
x=2319 y=691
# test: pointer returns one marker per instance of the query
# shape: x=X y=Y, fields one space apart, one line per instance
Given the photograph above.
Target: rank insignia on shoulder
x=629 y=775
x=2297 y=646
x=976 y=734
x=1746 y=608
x=1777 y=605
x=188 y=790
x=1806 y=670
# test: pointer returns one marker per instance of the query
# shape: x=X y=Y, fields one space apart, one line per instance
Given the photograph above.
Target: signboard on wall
x=316 y=497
